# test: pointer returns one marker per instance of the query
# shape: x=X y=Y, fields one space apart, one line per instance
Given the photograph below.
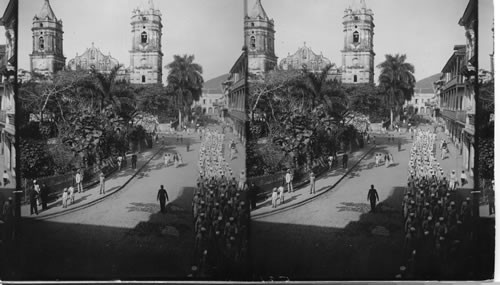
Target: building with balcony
x=8 y=62
x=235 y=90
x=452 y=93
x=468 y=71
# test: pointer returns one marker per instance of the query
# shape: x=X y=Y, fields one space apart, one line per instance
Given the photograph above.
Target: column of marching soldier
x=220 y=213
x=437 y=227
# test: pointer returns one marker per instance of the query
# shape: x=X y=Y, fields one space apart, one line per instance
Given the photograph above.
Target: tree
x=398 y=82
x=186 y=81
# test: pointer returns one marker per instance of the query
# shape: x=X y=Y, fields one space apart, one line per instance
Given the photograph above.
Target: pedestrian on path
x=399 y=145
x=33 y=202
x=330 y=162
x=312 y=182
x=120 y=158
x=386 y=159
x=345 y=158
x=44 y=195
x=134 y=161
x=71 y=193
x=36 y=186
x=274 y=197
x=253 y=196
x=491 y=198
x=281 y=194
x=163 y=198
x=65 y=198
x=289 y=181
x=102 y=189
x=78 y=182
x=373 y=197
x=166 y=159
x=8 y=218
x=187 y=146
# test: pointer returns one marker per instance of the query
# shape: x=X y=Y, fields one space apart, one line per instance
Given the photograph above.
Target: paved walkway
x=91 y=196
x=301 y=195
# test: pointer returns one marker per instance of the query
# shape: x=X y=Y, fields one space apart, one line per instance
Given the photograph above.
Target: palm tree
x=186 y=81
x=397 y=80
x=315 y=84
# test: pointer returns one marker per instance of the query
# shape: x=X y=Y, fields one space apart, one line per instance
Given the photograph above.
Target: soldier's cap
x=202 y=201
x=441 y=219
x=412 y=214
x=203 y=229
x=441 y=238
x=220 y=218
x=412 y=229
x=468 y=198
x=448 y=194
x=412 y=201
x=452 y=203
x=194 y=268
x=429 y=218
x=216 y=203
x=231 y=219
x=202 y=214
x=10 y=198
x=205 y=252
x=432 y=195
x=459 y=222
x=426 y=232
x=440 y=202
x=426 y=203
x=231 y=238
x=402 y=268
x=217 y=232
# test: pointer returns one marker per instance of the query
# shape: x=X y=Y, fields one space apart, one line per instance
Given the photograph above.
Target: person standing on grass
x=345 y=158
x=120 y=158
x=163 y=198
x=373 y=197
x=65 y=198
x=102 y=189
x=33 y=200
x=44 y=194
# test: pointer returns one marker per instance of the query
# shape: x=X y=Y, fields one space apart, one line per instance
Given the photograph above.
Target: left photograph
x=131 y=147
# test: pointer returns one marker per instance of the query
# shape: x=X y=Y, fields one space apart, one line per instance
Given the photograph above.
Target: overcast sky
x=425 y=30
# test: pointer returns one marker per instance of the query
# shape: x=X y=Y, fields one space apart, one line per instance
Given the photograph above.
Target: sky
x=211 y=30
x=424 y=30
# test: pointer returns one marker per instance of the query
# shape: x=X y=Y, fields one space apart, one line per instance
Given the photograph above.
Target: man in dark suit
x=163 y=198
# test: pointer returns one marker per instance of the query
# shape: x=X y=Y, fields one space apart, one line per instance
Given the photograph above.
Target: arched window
x=41 y=43
x=355 y=79
x=355 y=37
x=144 y=37
x=252 y=41
x=143 y=79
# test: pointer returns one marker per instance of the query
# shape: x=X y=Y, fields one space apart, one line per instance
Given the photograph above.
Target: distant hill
x=214 y=85
x=426 y=85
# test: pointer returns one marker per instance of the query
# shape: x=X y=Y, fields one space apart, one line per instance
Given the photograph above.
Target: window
x=41 y=25
x=416 y=101
x=144 y=37
x=252 y=24
x=355 y=78
x=41 y=43
x=143 y=79
x=355 y=37
x=252 y=41
x=204 y=101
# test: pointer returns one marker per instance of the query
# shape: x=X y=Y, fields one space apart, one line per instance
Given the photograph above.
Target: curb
x=83 y=206
x=293 y=206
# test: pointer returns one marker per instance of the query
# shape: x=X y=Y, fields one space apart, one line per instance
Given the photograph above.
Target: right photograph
x=365 y=159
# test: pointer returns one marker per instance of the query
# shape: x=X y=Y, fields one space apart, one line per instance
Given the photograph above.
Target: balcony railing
x=459 y=116
x=3 y=117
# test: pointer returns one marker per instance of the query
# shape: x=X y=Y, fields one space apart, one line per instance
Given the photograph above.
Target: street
x=336 y=237
x=122 y=237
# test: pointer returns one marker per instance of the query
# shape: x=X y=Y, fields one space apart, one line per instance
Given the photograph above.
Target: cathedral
x=145 y=54
x=357 y=55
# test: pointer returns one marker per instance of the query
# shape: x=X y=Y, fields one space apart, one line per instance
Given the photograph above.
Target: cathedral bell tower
x=259 y=39
x=146 y=55
x=357 y=55
x=47 y=56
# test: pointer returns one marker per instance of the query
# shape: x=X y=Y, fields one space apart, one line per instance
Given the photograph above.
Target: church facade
x=93 y=59
x=146 y=56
